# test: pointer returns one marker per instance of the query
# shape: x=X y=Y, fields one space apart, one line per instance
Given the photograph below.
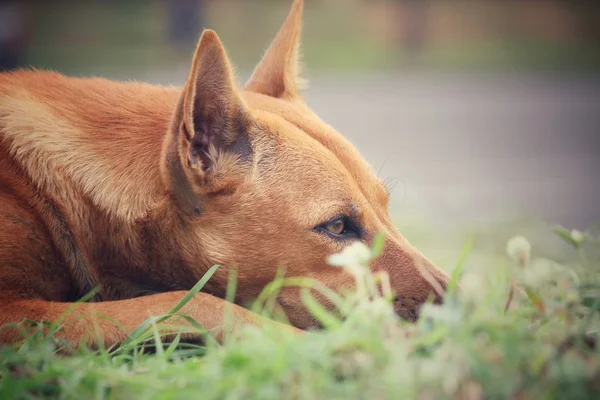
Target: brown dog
x=138 y=190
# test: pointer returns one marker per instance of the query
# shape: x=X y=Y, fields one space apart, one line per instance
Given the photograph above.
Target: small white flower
x=357 y=254
x=519 y=249
x=355 y=260
x=577 y=236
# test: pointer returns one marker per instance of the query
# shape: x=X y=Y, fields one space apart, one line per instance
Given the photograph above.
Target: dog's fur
x=139 y=189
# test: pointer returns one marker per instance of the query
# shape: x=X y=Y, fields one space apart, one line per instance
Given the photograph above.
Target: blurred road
x=474 y=146
x=468 y=147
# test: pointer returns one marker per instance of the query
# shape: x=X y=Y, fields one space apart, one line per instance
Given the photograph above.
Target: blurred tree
x=412 y=17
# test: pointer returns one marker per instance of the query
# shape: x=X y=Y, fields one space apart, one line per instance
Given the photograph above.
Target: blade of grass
x=327 y=319
x=378 y=244
x=143 y=327
x=172 y=347
x=193 y=291
x=456 y=273
x=57 y=323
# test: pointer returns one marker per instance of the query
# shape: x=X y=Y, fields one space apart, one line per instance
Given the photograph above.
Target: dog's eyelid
x=336 y=217
x=351 y=214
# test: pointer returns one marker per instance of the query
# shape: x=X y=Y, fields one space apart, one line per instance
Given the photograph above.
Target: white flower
x=519 y=249
x=577 y=236
x=355 y=260
x=356 y=254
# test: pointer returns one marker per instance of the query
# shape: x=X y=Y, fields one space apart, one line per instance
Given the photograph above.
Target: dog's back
x=69 y=132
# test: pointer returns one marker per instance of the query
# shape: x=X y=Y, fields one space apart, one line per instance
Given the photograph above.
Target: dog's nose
x=408 y=306
x=413 y=277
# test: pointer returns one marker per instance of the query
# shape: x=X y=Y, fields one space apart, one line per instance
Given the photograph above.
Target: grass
x=522 y=326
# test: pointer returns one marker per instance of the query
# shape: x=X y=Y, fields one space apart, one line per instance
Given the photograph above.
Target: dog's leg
x=30 y=272
x=90 y=322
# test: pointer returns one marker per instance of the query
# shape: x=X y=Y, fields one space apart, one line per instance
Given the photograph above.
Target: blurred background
x=472 y=110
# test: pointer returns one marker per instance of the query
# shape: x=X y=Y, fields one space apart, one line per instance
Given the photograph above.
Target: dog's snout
x=413 y=277
x=408 y=305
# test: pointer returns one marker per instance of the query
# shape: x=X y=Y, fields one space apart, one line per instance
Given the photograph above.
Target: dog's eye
x=340 y=228
x=336 y=227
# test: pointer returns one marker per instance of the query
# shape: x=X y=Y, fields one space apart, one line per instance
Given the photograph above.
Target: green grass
x=472 y=347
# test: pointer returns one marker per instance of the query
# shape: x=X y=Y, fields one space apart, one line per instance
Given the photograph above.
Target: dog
x=136 y=190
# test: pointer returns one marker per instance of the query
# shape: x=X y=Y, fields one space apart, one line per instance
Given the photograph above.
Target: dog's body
x=138 y=189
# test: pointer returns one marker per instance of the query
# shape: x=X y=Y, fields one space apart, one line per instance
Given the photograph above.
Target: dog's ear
x=208 y=148
x=278 y=73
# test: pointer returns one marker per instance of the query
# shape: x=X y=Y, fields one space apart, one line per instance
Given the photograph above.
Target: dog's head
x=264 y=183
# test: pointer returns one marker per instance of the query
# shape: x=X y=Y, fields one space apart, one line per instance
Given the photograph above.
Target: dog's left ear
x=208 y=148
x=277 y=74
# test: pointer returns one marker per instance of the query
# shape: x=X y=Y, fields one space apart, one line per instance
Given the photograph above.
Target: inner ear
x=213 y=110
x=213 y=134
x=220 y=144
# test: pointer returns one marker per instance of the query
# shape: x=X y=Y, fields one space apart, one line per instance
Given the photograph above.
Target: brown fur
x=138 y=189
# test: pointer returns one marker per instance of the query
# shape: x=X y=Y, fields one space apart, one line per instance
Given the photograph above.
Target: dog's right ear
x=278 y=73
x=208 y=147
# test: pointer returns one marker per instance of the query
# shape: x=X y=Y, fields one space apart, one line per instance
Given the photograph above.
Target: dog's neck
x=103 y=166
